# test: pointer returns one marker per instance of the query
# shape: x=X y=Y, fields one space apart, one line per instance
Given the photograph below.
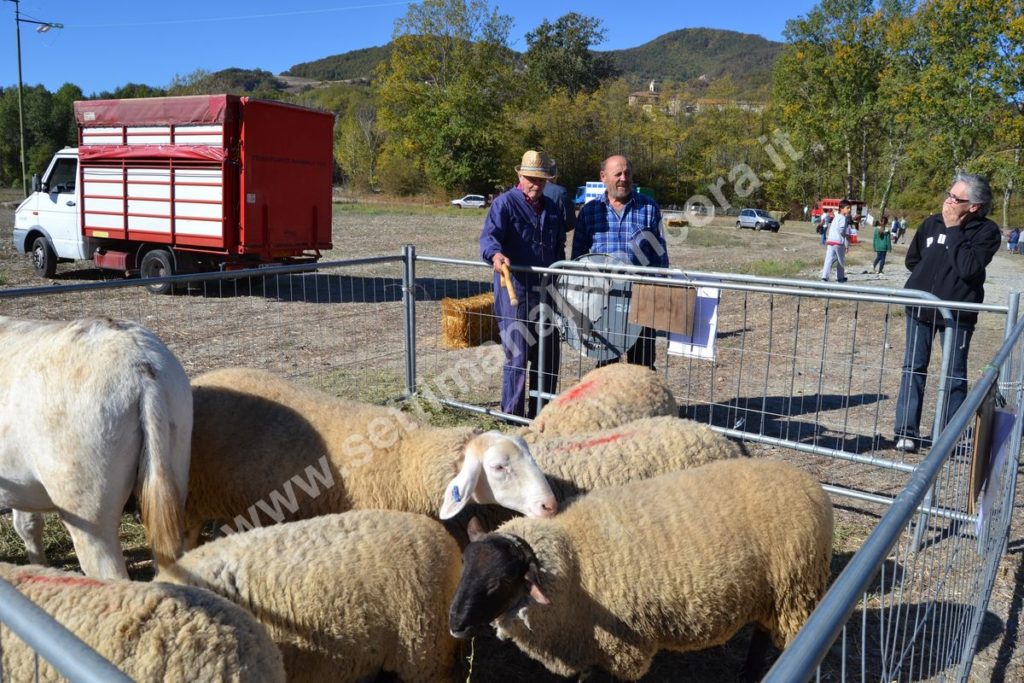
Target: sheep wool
x=681 y=562
x=605 y=398
x=344 y=596
x=636 y=450
x=266 y=450
x=152 y=632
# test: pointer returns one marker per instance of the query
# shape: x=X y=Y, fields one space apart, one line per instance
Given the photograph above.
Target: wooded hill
x=680 y=56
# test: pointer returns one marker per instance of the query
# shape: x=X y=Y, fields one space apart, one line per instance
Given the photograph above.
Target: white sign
x=700 y=344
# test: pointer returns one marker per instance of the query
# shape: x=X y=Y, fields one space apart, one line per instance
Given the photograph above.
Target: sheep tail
x=162 y=506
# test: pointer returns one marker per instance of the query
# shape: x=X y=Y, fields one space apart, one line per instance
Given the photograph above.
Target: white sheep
x=636 y=450
x=344 y=596
x=605 y=398
x=257 y=437
x=92 y=411
x=150 y=631
x=679 y=562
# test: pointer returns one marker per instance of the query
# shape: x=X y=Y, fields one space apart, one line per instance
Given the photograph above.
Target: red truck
x=169 y=185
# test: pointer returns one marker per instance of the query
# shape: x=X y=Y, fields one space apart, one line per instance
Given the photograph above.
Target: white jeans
x=835 y=253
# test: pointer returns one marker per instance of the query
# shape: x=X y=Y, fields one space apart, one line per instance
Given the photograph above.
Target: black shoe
x=841 y=281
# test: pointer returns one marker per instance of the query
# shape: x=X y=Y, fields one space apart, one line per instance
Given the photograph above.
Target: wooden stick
x=506 y=279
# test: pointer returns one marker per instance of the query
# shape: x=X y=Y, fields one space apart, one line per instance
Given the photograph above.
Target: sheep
x=151 y=631
x=344 y=596
x=605 y=398
x=637 y=450
x=679 y=562
x=258 y=436
x=92 y=411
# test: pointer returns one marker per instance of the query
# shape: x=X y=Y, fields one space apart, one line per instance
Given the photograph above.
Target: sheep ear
x=459 y=490
x=533 y=577
x=475 y=529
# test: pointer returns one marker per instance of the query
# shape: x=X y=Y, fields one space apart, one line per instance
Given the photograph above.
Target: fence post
x=409 y=305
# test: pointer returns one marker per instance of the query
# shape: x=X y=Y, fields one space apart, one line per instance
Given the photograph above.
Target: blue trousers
x=916 y=357
x=521 y=338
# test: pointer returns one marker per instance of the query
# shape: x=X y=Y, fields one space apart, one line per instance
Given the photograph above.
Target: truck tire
x=157 y=263
x=44 y=260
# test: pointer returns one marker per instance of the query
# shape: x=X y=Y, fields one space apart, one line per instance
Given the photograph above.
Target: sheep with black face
x=679 y=562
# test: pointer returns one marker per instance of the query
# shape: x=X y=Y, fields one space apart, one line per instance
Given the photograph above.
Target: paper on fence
x=700 y=344
x=1003 y=424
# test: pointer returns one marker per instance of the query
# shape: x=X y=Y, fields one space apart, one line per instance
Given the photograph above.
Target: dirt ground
x=452 y=233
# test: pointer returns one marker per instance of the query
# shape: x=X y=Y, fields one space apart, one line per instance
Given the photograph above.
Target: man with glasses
x=947 y=257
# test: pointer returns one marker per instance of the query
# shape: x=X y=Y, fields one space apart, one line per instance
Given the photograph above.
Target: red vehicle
x=166 y=185
x=858 y=210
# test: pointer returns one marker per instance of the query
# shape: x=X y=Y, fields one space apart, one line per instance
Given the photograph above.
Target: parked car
x=757 y=219
x=470 y=201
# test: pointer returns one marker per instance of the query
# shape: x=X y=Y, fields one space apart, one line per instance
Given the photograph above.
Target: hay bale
x=469 y=321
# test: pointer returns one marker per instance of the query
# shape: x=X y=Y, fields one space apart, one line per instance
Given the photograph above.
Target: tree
x=445 y=92
x=558 y=55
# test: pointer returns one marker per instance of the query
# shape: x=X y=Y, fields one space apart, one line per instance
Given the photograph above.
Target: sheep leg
x=29 y=526
x=756 y=665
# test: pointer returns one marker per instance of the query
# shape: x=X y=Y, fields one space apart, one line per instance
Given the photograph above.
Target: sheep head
x=498 y=469
x=500 y=576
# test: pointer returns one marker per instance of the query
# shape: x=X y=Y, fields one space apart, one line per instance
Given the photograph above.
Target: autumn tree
x=445 y=93
x=559 y=55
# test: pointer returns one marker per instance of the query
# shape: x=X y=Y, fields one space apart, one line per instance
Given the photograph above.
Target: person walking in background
x=524 y=228
x=1012 y=240
x=882 y=244
x=835 y=244
x=947 y=257
x=560 y=196
x=826 y=220
x=626 y=225
x=895 y=229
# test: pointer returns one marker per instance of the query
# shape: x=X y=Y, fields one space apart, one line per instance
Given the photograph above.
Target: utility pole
x=44 y=26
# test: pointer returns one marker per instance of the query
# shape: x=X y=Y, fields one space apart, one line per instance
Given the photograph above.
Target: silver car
x=757 y=219
x=470 y=201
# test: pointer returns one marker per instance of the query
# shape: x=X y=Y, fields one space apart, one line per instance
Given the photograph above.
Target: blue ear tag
x=455 y=494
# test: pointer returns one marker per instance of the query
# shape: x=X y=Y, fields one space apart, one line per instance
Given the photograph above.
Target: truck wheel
x=157 y=263
x=758 y=226
x=44 y=260
x=739 y=225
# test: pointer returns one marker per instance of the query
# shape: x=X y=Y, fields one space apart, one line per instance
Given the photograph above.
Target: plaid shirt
x=635 y=237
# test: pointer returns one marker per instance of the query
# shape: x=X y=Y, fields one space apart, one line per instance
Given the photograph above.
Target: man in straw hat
x=524 y=228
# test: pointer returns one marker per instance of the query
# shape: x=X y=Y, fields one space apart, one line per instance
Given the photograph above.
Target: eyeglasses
x=955 y=199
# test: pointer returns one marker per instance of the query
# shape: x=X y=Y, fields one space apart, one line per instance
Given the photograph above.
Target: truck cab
x=584 y=193
x=47 y=224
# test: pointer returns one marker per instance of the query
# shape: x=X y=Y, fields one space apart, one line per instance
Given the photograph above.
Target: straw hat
x=535 y=165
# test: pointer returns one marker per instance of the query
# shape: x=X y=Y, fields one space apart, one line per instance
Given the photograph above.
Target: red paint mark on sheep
x=611 y=438
x=72 y=581
x=576 y=392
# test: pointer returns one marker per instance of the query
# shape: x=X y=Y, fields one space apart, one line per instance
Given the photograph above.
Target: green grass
x=401 y=209
x=703 y=237
x=773 y=268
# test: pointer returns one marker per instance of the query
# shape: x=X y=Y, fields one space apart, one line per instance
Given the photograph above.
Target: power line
x=272 y=15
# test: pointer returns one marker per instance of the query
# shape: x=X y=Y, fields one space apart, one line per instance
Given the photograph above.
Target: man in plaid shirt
x=627 y=225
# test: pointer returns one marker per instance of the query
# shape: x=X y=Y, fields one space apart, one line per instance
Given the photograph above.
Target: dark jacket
x=950 y=263
x=560 y=196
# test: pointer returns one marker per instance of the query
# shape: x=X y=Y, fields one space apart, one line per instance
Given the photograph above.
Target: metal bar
x=828 y=620
x=72 y=657
x=409 y=304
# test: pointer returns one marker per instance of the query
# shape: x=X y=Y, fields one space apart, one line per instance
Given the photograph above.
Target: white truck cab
x=46 y=224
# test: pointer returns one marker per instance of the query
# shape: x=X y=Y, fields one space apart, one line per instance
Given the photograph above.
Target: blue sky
x=107 y=44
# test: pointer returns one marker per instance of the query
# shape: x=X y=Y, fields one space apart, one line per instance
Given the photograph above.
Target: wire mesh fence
x=800 y=369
